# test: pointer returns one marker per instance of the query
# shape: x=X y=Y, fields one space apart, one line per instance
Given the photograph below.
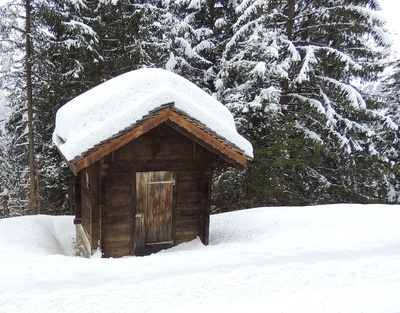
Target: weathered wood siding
x=117 y=211
x=90 y=203
x=85 y=202
x=162 y=149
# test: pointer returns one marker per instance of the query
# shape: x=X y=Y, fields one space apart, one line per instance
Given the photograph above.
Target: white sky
x=390 y=11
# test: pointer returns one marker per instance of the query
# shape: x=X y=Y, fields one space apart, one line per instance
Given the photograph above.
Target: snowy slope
x=105 y=110
x=338 y=258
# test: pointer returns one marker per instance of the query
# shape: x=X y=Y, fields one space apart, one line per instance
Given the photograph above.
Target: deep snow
x=337 y=258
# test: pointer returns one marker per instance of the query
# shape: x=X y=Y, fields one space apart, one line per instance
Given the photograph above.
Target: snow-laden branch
x=250 y=11
x=341 y=56
x=308 y=61
x=82 y=28
x=308 y=133
x=352 y=95
x=312 y=102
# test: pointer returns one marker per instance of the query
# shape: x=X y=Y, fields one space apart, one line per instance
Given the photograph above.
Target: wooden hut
x=143 y=147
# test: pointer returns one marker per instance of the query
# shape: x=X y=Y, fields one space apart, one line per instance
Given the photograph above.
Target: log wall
x=161 y=149
x=90 y=203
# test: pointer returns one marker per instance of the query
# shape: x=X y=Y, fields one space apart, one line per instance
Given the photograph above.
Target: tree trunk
x=290 y=19
x=289 y=34
x=32 y=167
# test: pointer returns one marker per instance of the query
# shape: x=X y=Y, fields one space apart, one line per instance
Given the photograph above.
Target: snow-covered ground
x=337 y=258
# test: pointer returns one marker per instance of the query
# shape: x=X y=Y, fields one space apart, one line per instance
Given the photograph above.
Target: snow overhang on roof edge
x=116 y=106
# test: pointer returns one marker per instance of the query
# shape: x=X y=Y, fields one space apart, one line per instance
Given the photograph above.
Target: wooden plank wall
x=162 y=149
x=90 y=203
x=117 y=212
x=94 y=188
x=85 y=202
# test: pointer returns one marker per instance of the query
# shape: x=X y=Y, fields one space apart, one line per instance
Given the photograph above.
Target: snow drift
x=337 y=258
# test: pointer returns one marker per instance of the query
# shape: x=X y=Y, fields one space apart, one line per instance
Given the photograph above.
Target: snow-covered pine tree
x=79 y=45
x=198 y=32
x=385 y=96
x=387 y=92
x=287 y=73
x=103 y=39
x=47 y=81
x=4 y=166
x=340 y=43
x=14 y=80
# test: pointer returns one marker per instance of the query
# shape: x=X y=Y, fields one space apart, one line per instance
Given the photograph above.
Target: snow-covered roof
x=104 y=111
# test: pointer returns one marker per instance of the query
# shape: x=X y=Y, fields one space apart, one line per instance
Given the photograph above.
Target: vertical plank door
x=155 y=200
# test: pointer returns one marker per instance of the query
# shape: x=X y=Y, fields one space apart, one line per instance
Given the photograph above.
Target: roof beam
x=206 y=139
x=173 y=119
x=121 y=141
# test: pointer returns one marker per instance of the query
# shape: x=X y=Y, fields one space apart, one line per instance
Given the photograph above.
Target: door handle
x=139 y=215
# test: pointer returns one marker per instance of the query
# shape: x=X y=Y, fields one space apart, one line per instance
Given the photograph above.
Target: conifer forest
x=313 y=84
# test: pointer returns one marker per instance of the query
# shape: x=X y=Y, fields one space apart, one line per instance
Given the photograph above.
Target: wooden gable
x=176 y=119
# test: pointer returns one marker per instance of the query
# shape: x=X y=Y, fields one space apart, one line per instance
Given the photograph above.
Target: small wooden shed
x=143 y=147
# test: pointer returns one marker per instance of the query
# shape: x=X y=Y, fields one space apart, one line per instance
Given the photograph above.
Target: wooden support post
x=78 y=199
x=6 y=210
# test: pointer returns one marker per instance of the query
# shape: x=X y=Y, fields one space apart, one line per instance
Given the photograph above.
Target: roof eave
x=229 y=153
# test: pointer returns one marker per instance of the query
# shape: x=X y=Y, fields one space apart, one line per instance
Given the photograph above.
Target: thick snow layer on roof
x=105 y=110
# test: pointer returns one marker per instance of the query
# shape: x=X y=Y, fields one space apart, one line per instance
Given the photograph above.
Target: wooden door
x=154 y=210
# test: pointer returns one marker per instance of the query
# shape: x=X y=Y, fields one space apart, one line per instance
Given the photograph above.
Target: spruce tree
x=385 y=95
x=13 y=80
x=80 y=45
x=288 y=74
x=286 y=69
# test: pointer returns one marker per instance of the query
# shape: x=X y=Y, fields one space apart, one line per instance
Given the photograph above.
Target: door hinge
x=162 y=182
x=169 y=242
